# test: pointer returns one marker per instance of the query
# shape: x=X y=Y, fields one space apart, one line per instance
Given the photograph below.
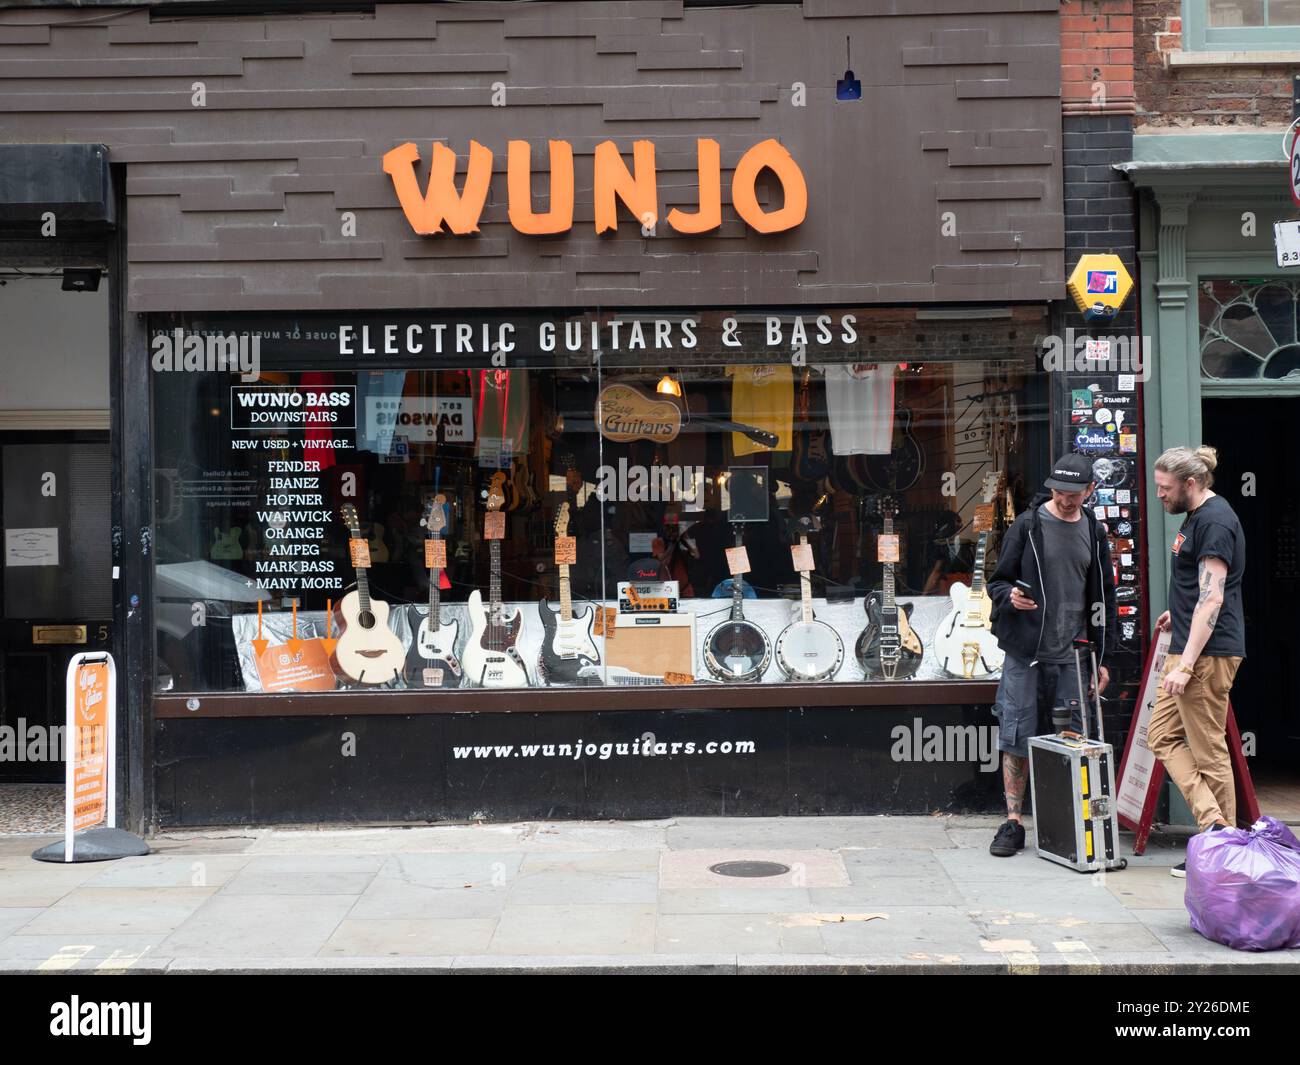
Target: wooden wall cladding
x=239 y=204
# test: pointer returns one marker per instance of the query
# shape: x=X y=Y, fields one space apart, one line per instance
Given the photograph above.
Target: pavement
x=863 y=894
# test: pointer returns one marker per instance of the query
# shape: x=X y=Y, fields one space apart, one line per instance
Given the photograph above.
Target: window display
x=561 y=504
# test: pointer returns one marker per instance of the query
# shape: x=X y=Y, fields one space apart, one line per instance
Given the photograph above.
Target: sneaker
x=1010 y=838
x=1179 y=870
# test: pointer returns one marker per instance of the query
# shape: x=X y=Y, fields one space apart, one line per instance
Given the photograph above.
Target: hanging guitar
x=901 y=468
x=567 y=644
x=888 y=648
x=368 y=651
x=432 y=661
x=491 y=658
x=808 y=649
x=736 y=649
x=964 y=643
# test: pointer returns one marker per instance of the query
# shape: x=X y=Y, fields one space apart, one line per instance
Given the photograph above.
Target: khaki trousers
x=1187 y=733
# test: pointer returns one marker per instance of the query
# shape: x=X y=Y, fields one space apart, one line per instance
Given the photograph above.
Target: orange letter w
x=441 y=202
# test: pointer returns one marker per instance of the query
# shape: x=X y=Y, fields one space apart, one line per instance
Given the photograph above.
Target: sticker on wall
x=1094 y=442
x=1128 y=443
x=1127 y=382
x=1080 y=398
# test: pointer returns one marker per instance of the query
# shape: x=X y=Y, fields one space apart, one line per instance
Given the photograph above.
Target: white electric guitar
x=491 y=659
x=964 y=643
x=432 y=661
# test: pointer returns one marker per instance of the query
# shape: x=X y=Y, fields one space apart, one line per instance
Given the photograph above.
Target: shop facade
x=684 y=395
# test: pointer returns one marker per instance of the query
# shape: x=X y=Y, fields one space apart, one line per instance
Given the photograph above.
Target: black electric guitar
x=567 y=644
x=901 y=468
x=736 y=649
x=431 y=661
x=889 y=648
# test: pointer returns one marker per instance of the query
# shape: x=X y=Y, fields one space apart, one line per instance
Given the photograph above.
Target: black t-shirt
x=1210 y=531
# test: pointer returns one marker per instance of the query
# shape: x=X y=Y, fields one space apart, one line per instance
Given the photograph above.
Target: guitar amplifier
x=1076 y=820
x=647 y=597
x=653 y=644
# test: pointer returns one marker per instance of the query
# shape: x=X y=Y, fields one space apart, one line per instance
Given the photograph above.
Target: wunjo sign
x=441 y=204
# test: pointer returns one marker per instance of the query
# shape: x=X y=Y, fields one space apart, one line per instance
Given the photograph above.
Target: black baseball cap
x=1070 y=473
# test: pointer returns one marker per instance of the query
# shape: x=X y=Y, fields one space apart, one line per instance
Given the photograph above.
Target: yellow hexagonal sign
x=1099 y=284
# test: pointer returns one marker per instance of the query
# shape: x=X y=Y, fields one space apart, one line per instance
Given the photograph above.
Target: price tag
x=803 y=557
x=360 y=553
x=435 y=554
x=887 y=547
x=737 y=560
x=605 y=618
x=678 y=678
x=566 y=551
x=433 y=678
x=983 y=517
x=494 y=525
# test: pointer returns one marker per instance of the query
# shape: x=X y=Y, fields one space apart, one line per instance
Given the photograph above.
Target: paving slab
x=91 y=911
x=263 y=926
x=418 y=938
x=614 y=929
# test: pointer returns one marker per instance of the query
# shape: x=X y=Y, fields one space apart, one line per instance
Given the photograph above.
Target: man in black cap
x=1060 y=550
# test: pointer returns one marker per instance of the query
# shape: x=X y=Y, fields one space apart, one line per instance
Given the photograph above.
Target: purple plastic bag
x=1243 y=886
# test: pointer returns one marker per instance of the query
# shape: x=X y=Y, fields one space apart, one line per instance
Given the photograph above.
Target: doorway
x=1258 y=440
x=55 y=586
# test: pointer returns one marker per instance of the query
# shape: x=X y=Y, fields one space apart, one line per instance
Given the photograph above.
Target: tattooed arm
x=1213 y=574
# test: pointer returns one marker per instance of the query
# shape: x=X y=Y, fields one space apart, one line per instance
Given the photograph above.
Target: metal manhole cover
x=749 y=869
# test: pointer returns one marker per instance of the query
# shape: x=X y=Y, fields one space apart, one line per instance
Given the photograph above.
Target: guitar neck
x=363 y=582
x=435 y=597
x=494 y=584
x=888 y=606
x=805 y=587
x=977 y=575
x=566 y=598
x=738 y=586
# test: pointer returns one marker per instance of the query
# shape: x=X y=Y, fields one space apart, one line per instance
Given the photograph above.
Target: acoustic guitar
x=368 y=651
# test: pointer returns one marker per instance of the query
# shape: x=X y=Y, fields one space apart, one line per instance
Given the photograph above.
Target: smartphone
x=1026 y=589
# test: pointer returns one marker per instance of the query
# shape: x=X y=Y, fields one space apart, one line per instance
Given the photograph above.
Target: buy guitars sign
x=442 y=205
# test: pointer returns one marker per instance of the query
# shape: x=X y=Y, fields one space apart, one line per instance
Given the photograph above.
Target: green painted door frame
x=1196 y=222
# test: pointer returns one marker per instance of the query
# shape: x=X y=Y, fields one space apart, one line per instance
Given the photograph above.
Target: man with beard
x=1208 y=641
x=1058 y=548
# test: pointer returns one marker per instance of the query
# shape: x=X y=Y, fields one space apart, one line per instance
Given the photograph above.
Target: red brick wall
x=1240 y=96
x=1097 y=56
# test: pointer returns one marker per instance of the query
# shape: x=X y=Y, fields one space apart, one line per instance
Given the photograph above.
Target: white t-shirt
x=860 y=407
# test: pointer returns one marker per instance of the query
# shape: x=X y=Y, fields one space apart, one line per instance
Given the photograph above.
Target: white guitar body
x=493 y=667
x=440 y=644
x=964 y=644
x=368 y=651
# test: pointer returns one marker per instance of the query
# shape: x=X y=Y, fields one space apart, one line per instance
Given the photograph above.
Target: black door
x=1258 y=440
x=56 y=586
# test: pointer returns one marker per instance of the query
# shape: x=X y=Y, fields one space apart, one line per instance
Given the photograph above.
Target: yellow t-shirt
x=762 y=396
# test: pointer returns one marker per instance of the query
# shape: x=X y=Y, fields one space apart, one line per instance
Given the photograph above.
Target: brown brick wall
x=1245 y=97
x=1097 y=56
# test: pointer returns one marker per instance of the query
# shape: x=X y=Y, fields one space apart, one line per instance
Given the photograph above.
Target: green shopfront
x=1222 y=321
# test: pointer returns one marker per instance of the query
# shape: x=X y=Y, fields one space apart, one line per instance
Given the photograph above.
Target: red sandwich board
x=1140 y=771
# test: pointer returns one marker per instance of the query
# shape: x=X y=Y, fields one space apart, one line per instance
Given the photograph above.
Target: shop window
x=1241 y=25
x=1248 y=330
x=718 y=512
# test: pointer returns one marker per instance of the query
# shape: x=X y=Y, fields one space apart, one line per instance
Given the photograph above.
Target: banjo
x=808 y=649
x=736 y=649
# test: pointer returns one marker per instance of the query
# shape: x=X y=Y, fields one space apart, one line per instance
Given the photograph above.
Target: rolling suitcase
x=1072 y=781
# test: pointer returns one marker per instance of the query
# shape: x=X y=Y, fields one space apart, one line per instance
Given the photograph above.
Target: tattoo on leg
x=1015 y=775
